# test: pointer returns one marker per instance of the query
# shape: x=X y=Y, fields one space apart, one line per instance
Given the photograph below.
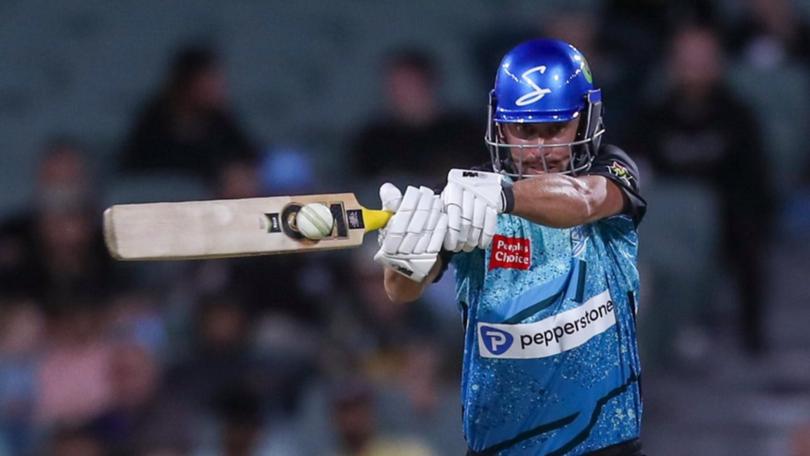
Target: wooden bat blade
x=231 y=228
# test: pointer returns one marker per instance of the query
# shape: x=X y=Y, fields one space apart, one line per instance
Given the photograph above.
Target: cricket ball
x=314 y=221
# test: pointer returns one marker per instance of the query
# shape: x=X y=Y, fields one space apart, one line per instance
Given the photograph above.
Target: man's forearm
x=402 y=289
x=561 y=201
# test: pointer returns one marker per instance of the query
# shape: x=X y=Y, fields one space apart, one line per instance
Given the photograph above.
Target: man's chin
x=538 y=168
x=535 y=170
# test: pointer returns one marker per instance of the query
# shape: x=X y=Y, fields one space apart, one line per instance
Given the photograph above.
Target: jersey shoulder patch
x=616 y=165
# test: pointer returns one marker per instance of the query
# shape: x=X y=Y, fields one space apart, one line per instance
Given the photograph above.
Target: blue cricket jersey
x=551 y=365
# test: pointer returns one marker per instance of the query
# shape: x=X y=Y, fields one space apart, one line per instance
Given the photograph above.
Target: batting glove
x=410 y=242
x=473 y=200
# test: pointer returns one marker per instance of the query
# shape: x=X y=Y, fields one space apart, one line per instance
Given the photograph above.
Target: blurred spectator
x=63 y=174
x=421 y=377
x=638 y=28
x=416 y=135
x=490 y=46
x=619 y=82
x=139 y=418
x=356 y=424
x=770 y=33
x=72 y=382
x=631 y=35
x=188 y=127
x=135 y=317
x=22 y=328
x=368 y=325
x=220 y=354
x=241 y=417
x=239 y=179
x=75 y=441
x=800 y=440
x=234 y=346
x=68 y=257
x=244 y=427
x=701 y=130
x=55 y=249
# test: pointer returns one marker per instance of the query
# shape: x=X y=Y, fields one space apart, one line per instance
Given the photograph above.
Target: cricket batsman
x=544 y=246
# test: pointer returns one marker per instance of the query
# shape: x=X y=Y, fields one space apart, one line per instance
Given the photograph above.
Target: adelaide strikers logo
x=620 y=172
x=495 y=340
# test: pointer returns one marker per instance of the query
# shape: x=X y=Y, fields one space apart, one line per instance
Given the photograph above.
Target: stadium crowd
x=304 y=354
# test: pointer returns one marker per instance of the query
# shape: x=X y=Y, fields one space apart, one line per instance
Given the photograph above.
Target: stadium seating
x=678 y=251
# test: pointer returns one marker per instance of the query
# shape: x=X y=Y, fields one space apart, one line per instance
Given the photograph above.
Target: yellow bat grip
x=375 y=219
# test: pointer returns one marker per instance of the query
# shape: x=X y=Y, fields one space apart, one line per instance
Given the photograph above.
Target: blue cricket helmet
x=545 y=80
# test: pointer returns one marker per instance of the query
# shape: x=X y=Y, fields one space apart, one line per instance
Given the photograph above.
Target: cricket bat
x=231 y=228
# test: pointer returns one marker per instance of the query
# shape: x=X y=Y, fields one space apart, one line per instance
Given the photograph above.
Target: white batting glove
x=473 y=200
x=410 y=242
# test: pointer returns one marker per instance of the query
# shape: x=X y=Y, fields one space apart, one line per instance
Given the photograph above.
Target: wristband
x=508 y=196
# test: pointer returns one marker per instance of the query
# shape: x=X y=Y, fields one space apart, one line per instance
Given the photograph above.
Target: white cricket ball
x=314 y=221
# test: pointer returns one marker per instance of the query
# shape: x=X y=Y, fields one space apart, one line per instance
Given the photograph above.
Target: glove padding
x=473 y=200
x=410 y=242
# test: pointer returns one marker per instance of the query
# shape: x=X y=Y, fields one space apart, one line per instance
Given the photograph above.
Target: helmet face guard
x=544 y=81
x=581 y=151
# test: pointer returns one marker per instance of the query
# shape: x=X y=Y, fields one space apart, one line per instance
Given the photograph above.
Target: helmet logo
x=538 y=92
x=586 y=70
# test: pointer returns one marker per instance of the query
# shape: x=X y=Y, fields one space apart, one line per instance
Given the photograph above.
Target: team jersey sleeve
x=614 y=164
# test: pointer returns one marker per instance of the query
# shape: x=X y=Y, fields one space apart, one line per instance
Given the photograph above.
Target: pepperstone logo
x=550 y=336
x=495 y=340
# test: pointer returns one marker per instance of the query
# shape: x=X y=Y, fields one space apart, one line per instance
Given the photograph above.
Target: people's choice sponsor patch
x=510 y=253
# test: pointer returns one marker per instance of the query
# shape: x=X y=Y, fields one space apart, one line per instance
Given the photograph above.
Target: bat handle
x=375 y=219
